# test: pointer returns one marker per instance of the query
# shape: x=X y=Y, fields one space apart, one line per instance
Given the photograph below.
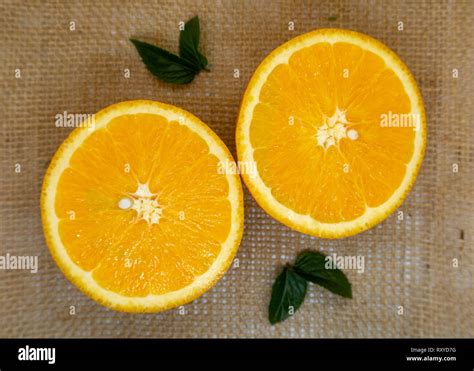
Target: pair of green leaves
x=289 y=289
x=169 y=67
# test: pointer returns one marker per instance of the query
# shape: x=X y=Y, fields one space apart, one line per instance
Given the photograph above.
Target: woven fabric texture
x=408 y=262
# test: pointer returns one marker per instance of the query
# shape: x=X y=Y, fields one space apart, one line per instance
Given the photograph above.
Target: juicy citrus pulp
x=335 y=125
x=135 y=211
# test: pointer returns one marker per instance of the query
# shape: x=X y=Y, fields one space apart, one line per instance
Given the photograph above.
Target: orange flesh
x=303 y=175
x=128 y=255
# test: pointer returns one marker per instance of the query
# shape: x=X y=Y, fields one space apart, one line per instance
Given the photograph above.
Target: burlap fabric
x=408 y=263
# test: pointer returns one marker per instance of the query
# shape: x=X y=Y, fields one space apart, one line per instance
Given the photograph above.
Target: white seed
x=125 y=203
x=352 y=134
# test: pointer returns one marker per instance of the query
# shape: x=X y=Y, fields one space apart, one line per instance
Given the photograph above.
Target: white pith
x=146 y=204
x=333 y=130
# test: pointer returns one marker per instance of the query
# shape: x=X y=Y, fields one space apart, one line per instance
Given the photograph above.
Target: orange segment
x=335 y=126
x=136 y=213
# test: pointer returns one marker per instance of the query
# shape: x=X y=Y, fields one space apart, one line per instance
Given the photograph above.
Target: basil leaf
x=164 y=65
x=312 y=266
x=288 y=292
x=189 y=42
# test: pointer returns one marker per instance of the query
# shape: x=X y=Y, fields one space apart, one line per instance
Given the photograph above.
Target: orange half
x=136 y=209
x=335 y=127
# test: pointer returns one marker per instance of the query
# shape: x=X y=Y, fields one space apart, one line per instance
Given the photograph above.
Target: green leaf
x=288 y=292
x=312 y=266
x=164 y=65
x=332 y=18
x=169 y=67
x=189 y=43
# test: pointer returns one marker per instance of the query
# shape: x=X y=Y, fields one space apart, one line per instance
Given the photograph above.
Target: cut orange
x=335 y=126
x=136 y=211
